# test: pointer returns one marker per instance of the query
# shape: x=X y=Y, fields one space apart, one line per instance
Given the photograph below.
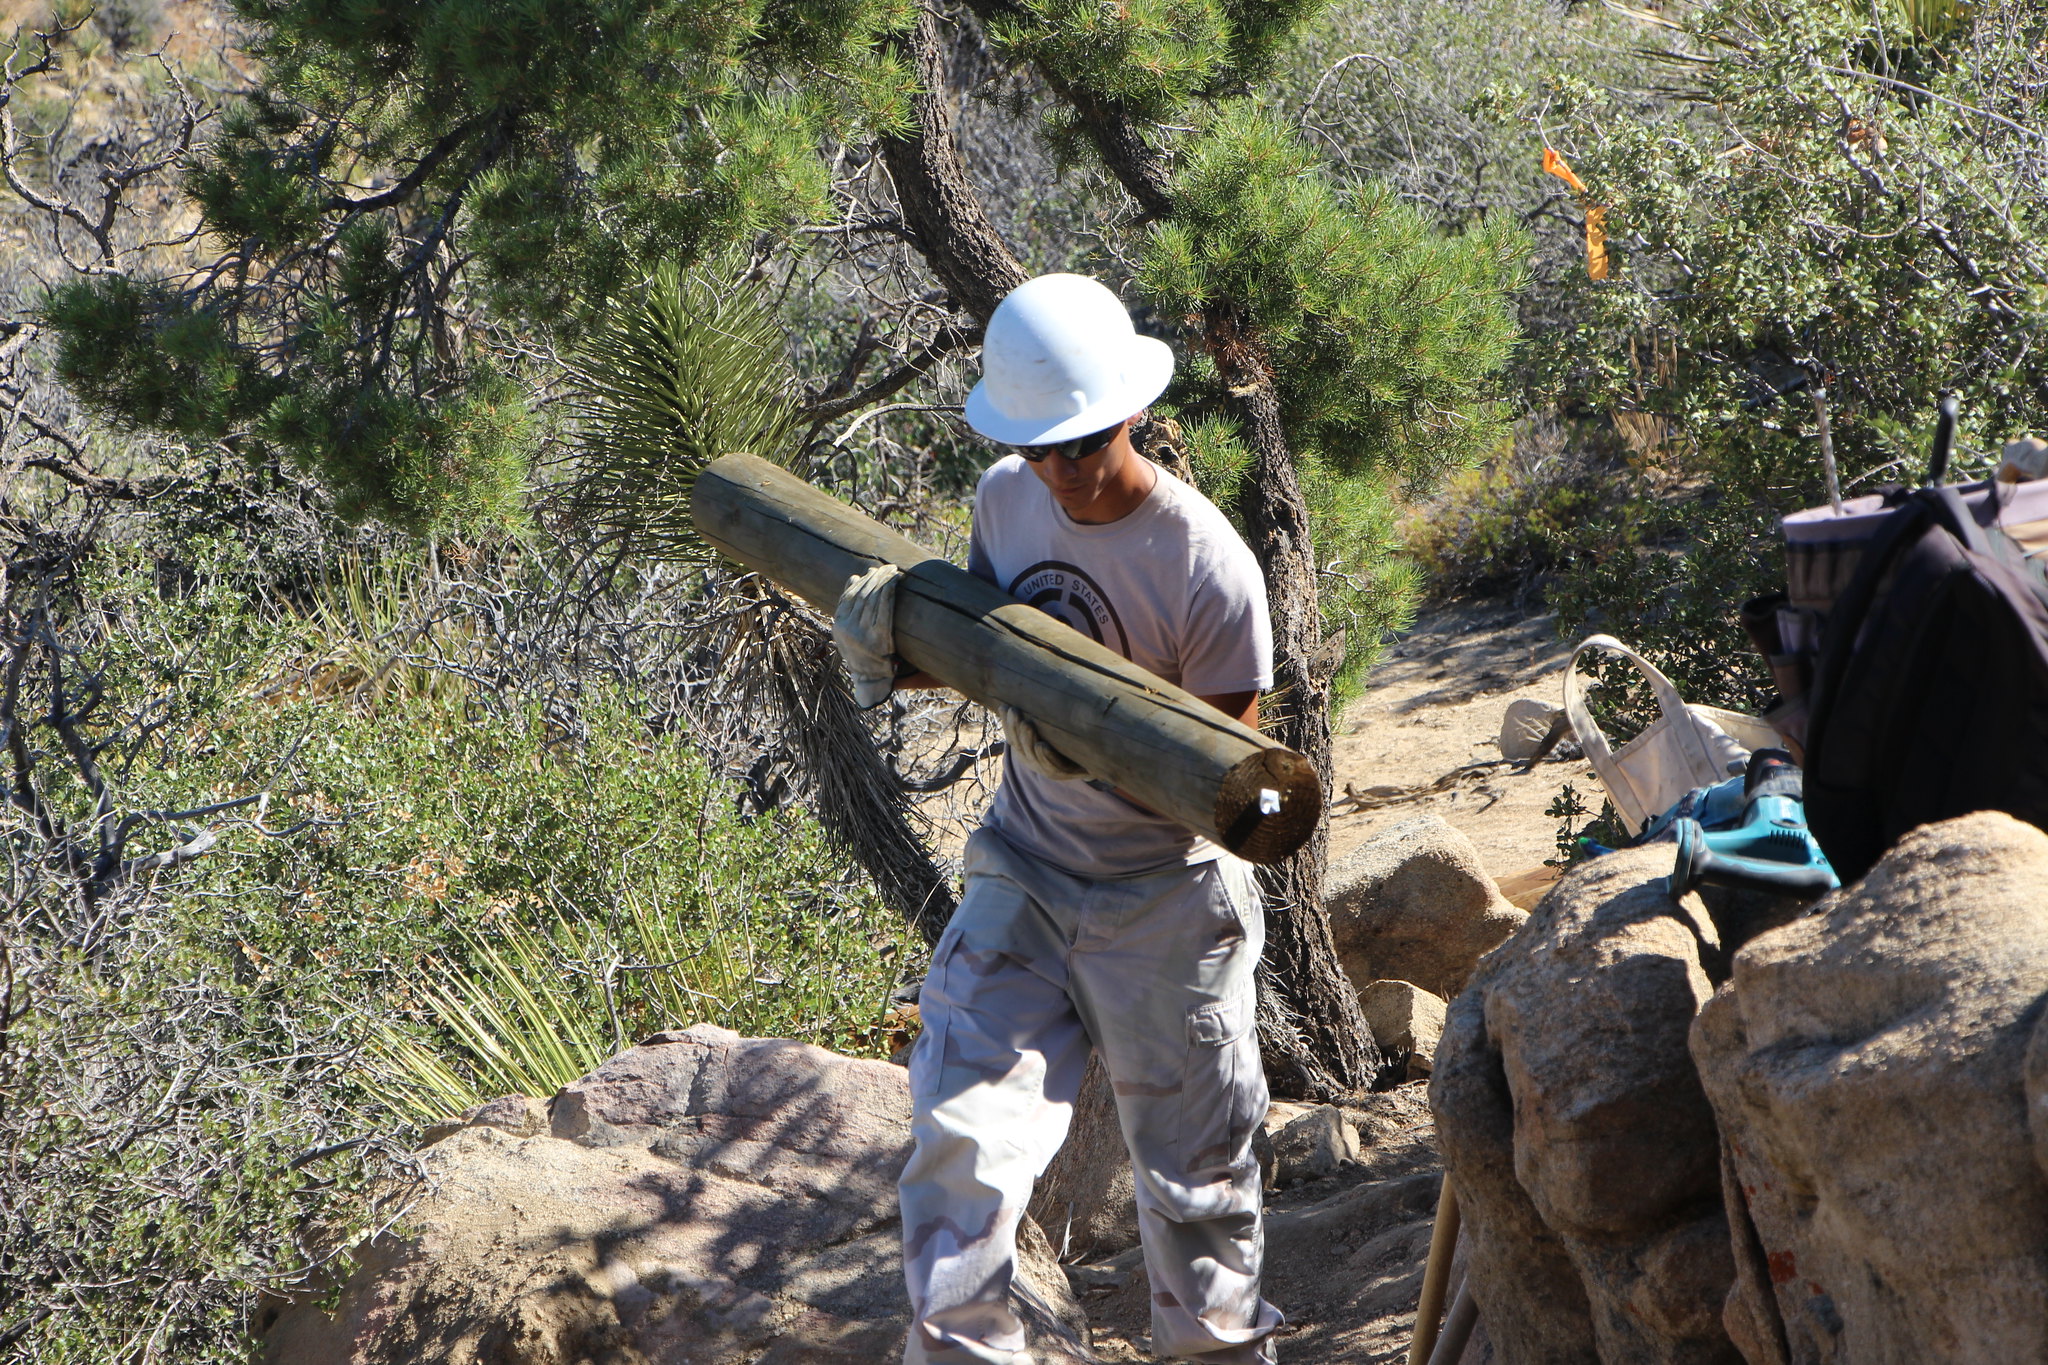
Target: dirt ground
x=1344 y=1254
x=1433 y=705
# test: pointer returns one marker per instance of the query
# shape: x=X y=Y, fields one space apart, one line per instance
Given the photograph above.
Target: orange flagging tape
x=1596 y=215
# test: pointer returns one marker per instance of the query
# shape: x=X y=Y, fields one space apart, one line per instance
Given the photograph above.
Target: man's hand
x=1032 y=751
x=864 y=628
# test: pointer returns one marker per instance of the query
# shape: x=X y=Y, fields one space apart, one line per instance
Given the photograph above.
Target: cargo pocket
x=928 y=1058
x=928 y=1053
x=1216 y=1099
x=1246 y=901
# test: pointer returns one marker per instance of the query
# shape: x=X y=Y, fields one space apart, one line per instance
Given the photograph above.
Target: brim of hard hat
x=1147 y=369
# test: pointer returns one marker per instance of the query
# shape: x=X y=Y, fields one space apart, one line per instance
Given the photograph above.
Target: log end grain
x=1247 y=825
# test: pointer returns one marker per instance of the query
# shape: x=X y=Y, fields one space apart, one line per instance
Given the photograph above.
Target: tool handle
x=1944 y=440
x=1760 y=874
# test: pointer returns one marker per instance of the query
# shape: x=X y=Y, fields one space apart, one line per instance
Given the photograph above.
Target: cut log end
x=1268 y=805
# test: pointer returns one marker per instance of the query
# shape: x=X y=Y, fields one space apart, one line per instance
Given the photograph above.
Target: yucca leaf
x=692 y=370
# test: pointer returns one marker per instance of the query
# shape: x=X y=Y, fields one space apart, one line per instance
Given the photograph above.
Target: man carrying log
x=1088 y=920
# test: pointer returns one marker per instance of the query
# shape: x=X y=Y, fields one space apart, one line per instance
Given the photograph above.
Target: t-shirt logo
x=1065 y=593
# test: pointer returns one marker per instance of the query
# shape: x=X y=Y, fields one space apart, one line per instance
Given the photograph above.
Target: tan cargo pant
x=1156 y=973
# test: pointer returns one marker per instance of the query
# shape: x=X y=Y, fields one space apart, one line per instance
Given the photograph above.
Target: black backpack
x=1930 y=696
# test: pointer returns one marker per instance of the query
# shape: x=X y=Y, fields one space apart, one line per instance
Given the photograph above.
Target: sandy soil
x=1344 y=1254
x=1433 y=706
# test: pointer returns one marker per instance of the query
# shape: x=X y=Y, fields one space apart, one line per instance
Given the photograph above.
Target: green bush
x=202 y=1071
x=1859 y=216
x=614 y=871
x=156 y=1127
x=1443 y=101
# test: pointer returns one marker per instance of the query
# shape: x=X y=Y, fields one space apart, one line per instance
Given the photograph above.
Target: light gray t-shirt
x=1172 y=588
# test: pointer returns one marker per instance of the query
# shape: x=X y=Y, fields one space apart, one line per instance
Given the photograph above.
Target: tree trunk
x=1318 y=1043
x=940 y=208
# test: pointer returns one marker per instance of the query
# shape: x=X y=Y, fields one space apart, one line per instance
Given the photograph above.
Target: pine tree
x=426 y=196
x=411 y=172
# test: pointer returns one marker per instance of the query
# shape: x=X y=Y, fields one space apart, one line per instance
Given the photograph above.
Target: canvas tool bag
x=1825 y=546
x=1687 y=746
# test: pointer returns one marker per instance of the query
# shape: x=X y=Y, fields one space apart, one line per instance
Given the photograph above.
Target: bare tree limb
x=114 y=182
x=402 y=190
x=951 y=338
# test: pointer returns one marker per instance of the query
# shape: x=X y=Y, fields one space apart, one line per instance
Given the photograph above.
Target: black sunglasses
x=1080 y=448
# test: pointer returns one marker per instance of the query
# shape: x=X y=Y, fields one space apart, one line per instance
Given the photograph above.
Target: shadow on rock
x=1576 y=1131
x=701 y=1197
x=1881 y=1075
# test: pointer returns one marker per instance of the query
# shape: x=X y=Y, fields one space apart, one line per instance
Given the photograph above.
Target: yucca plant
x=509 y=1029
x=545 y=999
x=691 y=370
x=688 y=371
x=1932 y=18
x=368 y=627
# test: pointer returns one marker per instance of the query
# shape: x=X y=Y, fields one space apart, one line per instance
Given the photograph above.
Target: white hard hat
x=1060 y=359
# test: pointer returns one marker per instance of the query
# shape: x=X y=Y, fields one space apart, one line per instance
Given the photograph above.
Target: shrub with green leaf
x=1855 y=228
x=1504 y=526
x=445 y=893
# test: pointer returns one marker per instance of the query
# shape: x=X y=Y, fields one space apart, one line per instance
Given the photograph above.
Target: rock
x=1414 y=904
x=1096 y=1279
x=1269 y=1164
x=1406 y=1022
x=1880 y=1071
x=1576 y=1132
x=2024 y=460
x=1525 y=725
x=701 y=1197
x=1086 y=1201
x=519 y=1115
x=1313 y=1145
x=1524 y=888
x=1280 y=1113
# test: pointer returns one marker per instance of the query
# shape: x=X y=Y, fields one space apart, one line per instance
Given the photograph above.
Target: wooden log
x=1156 y=742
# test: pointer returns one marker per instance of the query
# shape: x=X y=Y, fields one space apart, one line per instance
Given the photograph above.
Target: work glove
x=1030 y=749
x=864 y=628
